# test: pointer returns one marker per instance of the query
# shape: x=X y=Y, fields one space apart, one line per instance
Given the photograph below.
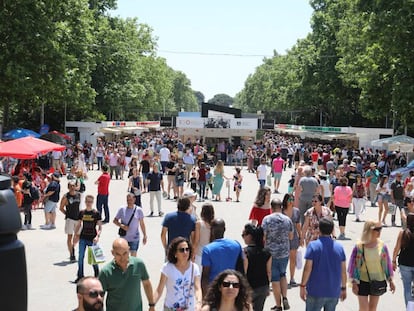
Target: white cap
x=189 y=193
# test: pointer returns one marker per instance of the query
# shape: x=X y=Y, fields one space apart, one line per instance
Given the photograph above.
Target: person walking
x=278 y=231
x=261 y=206
x=397 y=198
x=404 y=251
x=324 y=274
x=181 y=278
x=155 y=184
x=228 y=291
x=121 y=279
x=373 y=177
x=342 y=200
x=370 y=261
x=293 y=213
x=218 y=179
x=384 y=196
x=261 y=172
x=308 y=187
x=259 y=267
x=135 y=186
x=277 y=169
x=88 y=230
x=203 y=230
x=220 y=254
x=51 y=199
x=69 y=206
x=130 y=219
x=358 y=197
x=103 y=193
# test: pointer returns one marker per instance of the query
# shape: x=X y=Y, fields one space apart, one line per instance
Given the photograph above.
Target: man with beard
x=90 y=294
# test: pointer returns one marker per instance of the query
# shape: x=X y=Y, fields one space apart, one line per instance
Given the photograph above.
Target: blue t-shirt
x=154 y=181
x=219 y=255
x=179 y=224
x=54 y=186
x=327 y=257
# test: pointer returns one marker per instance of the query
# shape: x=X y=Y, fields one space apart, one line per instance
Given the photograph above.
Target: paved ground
x=50 y=273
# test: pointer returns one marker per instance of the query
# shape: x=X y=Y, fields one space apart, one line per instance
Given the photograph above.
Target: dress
x=205 y=231
x=217 y=183
x=294 y=243
x=123 y=287
x=180 y=287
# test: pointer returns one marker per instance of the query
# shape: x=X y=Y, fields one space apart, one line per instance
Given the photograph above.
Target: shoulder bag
x=376 y=288
x=121 y=231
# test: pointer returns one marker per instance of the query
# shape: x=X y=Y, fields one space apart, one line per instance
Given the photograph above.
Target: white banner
x=217 y=123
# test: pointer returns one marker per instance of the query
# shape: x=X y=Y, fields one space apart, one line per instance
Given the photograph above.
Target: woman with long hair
x=228 y=291
x=261 y=206
x=181 y=277
x=203 y=230
x=294 y=214
x=218 y=180
x=384 y=196
x=259 y=266
x=310 y=228
x=404 y=250
x=342 y=200
x=370 y=261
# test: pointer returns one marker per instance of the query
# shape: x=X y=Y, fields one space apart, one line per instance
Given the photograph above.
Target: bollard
x=13 y=285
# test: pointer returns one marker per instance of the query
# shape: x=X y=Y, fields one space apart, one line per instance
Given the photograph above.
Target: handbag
x=299 y=258
x=95 y=254
x=121 y=231
x=376 y=288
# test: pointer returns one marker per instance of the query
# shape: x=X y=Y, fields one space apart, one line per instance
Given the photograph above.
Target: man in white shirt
x=261 y=173
x=164 y=157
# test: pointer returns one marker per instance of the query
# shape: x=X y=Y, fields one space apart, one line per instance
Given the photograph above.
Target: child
x=209 y=179
x=238 y=178
x=291 y=184
x=193 y=181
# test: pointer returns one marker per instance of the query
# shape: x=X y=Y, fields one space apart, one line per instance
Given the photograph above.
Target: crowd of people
x=203 y=269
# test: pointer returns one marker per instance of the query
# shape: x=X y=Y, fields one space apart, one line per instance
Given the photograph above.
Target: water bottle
x=13 y=285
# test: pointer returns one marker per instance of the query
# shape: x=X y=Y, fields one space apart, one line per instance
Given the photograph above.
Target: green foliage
x=222 y=100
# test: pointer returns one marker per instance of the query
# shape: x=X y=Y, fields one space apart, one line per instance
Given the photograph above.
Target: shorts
x=363 y=288
x=279 y=266
x=70 y=225
x=384 y=197
x=277 y=176
x=133 y=245
x=50 y=206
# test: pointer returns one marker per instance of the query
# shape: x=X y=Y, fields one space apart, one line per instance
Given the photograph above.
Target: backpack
x=34 y=193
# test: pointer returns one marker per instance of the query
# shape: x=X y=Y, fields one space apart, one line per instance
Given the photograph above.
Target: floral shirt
x=313 y=229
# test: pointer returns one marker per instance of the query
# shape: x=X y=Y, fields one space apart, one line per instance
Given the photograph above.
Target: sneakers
x=52 y=226
x=276 y=308
x=46 y=227
x=161 y=214
x=292 y=283
x=285 y=303
x=72 y=258
x=384 y=224
x=24 y=227
x=341 y=236
x=151 y=214
x=29 y=226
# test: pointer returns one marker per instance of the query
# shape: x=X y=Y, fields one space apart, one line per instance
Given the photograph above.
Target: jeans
x=82 y=247
x=100 y=162
x=113 y=169
x=259 y=296
x=407 y=276
x=317 y=303
x=262 y=183
x=202 y=186
x=102 y=202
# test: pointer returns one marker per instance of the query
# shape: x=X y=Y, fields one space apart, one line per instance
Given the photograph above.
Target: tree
x=183 y=95
x=222 y=100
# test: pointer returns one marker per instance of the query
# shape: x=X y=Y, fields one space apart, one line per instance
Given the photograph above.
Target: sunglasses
x=316 y=201
x=184 y=249
x=95 y=294
x=232 y=284
x=378 y=229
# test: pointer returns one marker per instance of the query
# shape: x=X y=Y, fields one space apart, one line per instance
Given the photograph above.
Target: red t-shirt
x=103 y=184
x=259 y=213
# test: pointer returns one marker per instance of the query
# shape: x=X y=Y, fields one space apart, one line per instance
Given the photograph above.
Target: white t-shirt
x=261 y=171
x=164 y=154
x=180 y=289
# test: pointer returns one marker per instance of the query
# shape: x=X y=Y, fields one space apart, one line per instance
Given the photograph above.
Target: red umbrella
x=27 y=148
x=67 y=137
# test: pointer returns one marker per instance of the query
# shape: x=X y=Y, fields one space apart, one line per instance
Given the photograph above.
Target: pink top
x=277 y=165
x=342 y=196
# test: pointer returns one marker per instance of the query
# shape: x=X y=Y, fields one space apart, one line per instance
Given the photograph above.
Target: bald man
x=121 y=279
x=90 y=294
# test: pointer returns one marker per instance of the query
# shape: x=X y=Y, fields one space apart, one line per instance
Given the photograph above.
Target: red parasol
x=27 y=148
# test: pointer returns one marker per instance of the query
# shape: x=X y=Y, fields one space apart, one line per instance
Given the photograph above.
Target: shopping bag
x=299 y=258
x=269 y=180
x=95 y=255
x=410 y=306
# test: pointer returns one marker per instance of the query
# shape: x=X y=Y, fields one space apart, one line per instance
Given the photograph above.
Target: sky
x=218 y=43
